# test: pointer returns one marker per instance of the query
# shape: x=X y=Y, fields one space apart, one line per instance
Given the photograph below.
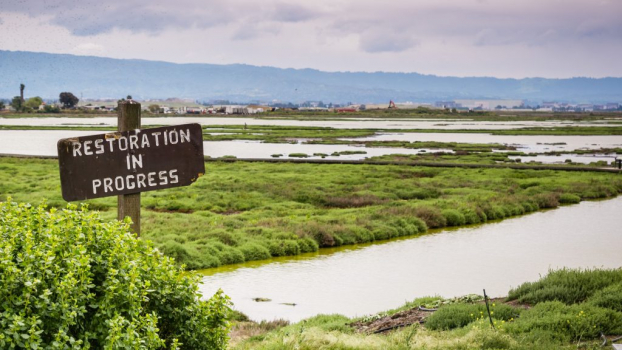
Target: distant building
x=252 y=109
x=235 y=110
x=194 y=110
x=447 y=104
x=312 y=104
x=91 y=107
x=484 y=104
x=585 y=107
x=313 y=109
x=549 y=104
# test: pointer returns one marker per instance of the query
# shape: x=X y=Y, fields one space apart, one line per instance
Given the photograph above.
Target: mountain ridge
x=46 y=75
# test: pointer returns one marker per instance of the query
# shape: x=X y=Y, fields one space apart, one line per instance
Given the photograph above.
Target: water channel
x=43 y=142
x=361 y=280
x=350 y=123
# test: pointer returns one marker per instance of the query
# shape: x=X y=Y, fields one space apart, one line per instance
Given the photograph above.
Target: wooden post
x=128 y=113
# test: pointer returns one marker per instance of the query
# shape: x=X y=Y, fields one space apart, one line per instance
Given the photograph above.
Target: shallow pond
x=36 y=142
x=358 y=123
x=250 y=149
x=357 y=281
x=43 y=143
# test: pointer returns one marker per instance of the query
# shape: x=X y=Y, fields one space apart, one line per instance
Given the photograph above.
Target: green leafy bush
x=69 y=280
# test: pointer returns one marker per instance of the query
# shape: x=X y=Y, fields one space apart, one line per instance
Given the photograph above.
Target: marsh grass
x=313 y=334
x=464 y=324
x=569 y=286
x=279 y=134
x=609 y=297
x=568 y=322
x=298 y=155
x=459 y=315
x=244 y=211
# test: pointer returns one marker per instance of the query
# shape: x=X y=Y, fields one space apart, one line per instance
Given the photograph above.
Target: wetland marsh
x=360 y=239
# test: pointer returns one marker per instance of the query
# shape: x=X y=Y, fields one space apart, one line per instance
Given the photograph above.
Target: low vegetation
x=327 y=135
x=278 y=133
x=485 y=158
x=444 y=114
x=574 y=318
x=71 y=280
x=243 y=211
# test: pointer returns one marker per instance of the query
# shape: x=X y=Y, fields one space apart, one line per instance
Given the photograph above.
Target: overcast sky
x=500 y=38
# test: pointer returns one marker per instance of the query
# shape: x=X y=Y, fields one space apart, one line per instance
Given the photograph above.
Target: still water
x=356 y=281
x=250 y=149
x=355 y=123
x=43 y=143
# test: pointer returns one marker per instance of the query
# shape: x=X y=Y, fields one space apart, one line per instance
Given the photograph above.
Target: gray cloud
x=599 y=28
x=284 y=12
x=502 y=22
x=255 y=30
x=374 y=41
x=444 y=35
x=88 y=17
x=484 y=23
x=247 y=32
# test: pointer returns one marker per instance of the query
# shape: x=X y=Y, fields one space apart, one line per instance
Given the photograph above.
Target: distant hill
x=47 y=75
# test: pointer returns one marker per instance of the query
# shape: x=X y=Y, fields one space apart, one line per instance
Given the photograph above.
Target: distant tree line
x=22 y=105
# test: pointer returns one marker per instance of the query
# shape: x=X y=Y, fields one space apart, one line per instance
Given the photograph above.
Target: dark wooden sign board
x=134 y=161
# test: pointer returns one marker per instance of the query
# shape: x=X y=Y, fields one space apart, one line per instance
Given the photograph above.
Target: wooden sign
x=130 y=162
